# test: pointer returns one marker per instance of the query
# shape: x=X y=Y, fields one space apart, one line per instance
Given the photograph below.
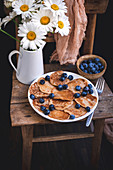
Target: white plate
x=75 y=76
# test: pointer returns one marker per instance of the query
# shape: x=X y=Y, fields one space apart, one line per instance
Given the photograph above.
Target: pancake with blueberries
x=60 y=104
x=34 y=89
x=45 y=86
x=74 y=110
x=58 y=114
x=38 y=102
x=77 y=85
x=55 y=78
x=63 y=94
x=88 y=100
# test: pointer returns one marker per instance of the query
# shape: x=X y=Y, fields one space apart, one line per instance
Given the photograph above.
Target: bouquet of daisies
x=36 y=19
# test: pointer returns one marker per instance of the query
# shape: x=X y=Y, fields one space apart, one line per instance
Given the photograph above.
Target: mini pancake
x=58 y=114
x=77 y=82
x=46 y=87
x=34 y=89
x=63 y=95
x=37 y=104
x=60 y=104
x=88 y=100
x=77 y=112
x=54 y=78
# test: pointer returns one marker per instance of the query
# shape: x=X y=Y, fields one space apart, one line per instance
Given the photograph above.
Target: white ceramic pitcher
x=29 y=66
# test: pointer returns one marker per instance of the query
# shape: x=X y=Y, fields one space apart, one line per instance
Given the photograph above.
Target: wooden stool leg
x=27 y=134
x=96 y=145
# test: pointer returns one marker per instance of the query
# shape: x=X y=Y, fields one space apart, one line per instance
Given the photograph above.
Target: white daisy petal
x=32 y=37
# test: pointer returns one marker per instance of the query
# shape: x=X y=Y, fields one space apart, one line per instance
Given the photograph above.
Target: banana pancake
x=60 y=104
x=46 y=87
x=77 y=112
x=34 y=89
x=58 y=114
x=63 y=95
x=77 y=82
x=88 y=100
x=54 y=78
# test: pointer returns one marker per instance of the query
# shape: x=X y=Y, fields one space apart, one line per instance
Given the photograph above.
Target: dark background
x=102 y=46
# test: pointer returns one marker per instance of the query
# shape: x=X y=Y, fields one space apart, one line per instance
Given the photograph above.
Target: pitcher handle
x=10 y=58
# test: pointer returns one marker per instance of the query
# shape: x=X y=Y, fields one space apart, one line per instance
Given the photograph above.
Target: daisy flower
x=8 y=18
x=31 y=36
x=8 y=3
x=39 y=4
x=63 y=26
x=58 y=7
x=23 y=7
x=44 y=20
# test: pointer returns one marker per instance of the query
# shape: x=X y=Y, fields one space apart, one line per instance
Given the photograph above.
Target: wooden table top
x=21 y=112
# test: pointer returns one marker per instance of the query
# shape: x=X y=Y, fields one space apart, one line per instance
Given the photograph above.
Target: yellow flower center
x=55 y=7
x=45 y=20
x=42 y=2
x=60 y=24
x=24 y=8
x=31 y=35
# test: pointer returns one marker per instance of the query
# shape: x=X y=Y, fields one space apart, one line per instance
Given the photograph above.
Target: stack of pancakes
x=64 y=100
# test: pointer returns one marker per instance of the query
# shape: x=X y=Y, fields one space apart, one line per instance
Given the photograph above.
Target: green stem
x=9 y=35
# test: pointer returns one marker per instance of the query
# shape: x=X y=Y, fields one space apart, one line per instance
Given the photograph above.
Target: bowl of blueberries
x=91 y=66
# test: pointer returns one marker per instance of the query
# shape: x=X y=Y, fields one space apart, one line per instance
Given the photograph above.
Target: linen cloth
x=67 y=47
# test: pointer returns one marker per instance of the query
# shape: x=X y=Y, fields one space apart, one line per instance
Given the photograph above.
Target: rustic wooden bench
x=22 y=115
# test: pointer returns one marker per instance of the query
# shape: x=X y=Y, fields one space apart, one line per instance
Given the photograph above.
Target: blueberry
x=70 y=77
x=88 y=109
x=97 y=67
x=77 y=95
x=89 y=61
x=64 y=75
x=85 y=61
x=90 y=86
x=42 y=108
x=59 y=87
x=85 y=65
x=78 y=88
x=41 y=100
x=84 y=93
x=47 y=78
x=32 y=96
x=46 y=111
x=77 y=106
x=101 y=68
x=96 y=60
x=51 y=95
x=91 y=65
x=90 y=72
x=62 y=78
x=42 y=81
x=86 y=89
x=65 y=86
x=99 y=64
x=85 y=71
x=81 y=67
x=93 y=69
x=99 y=71
x=90 y=91
x=72 y=116
x=51 y=107
x=95 y=72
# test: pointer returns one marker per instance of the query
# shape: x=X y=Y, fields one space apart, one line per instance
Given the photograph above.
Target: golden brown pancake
x=60 y=104
x=34 y=89
x=58 y=114
x=54 y=78
x=77 y=112
x=37 y=104
x=63 y=95
x=88 y=100
x=46 y=87
x=77 y=82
